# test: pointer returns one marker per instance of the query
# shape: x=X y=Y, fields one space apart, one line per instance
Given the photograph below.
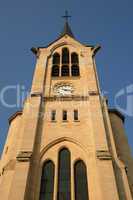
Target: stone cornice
x=93 y=93
x=117 y=112
x=96 y=49
x=70 y=98
x=24 y=156
x=36 y=94
x=103 y=155
x=14 y=116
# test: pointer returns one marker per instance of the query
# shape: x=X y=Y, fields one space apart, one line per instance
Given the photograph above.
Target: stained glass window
x=47 y=181
x=64 y=175
x=81 y=184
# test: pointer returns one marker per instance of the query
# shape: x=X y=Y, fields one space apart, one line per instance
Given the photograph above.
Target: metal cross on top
x=66 y=16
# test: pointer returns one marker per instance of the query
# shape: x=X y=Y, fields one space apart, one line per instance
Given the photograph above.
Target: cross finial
x=66 y=16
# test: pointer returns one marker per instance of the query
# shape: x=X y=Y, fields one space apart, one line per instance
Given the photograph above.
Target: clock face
x=63 y=90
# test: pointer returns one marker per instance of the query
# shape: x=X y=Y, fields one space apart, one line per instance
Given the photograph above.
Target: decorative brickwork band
x=24 y=156
x=103 y=155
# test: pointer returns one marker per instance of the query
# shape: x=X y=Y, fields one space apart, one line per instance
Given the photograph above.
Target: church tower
x=66 y=144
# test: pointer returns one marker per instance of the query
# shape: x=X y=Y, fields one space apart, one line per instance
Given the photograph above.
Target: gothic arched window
x=65 y=56
x=56 y=59
x=55 y=70
x=75 y=70
x=64 y=175
x=65 y=70
x=47 y=181
x=56 y=65
x=75 y=64
x=74 y=58
x=80 y=179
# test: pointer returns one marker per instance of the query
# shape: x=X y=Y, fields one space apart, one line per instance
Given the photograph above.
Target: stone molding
x=14 y=116
x=103 y=155
x=36 y=94
x=24 y=156
x=60 y=140
x=93 y=93
x=67 y=98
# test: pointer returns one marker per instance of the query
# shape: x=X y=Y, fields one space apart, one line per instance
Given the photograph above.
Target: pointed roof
x=67 y=30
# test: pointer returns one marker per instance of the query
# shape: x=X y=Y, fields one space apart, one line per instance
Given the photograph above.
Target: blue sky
x=24 y=24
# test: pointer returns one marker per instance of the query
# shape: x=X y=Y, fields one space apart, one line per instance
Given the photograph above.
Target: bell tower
x=66 y=144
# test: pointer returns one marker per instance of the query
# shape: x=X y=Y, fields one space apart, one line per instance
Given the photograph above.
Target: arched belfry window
x=74 y=58
x=55 y=70
x=75 y=64
x=80 y=179
x=65 y=70
x=75 y=70
x=56 y=59
x=63 y=65
x=65 y=56
x=64 y=175
x=56 y=65
x=47 y=181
